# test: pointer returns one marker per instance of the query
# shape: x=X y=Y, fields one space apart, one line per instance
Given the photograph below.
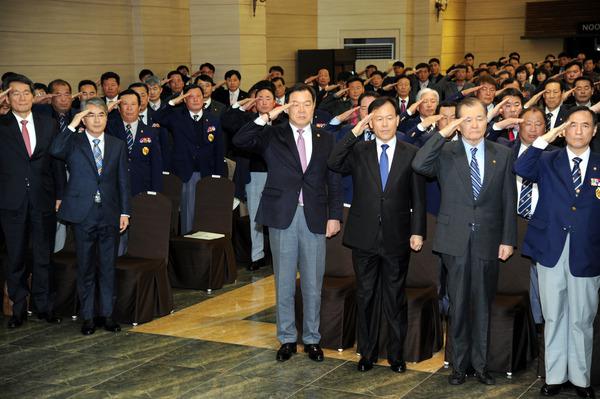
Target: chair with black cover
x=64 y=262
x=338 y=297
x=512 y=339
x=172 y=189
x=424 y=334
x=142 y=284
x=206 y=264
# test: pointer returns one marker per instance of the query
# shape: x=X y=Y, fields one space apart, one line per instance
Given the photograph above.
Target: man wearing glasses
x=96 y=202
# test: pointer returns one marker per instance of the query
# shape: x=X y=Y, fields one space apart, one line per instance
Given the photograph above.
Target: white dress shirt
x=30 y=129
x=207 y=102
x=233 y=96
x=390 y=151
x=155 y=106
x=554 y=116
x=308 y=144
x=144 y=116
x=534 y=187
x=111 y=100
x=199 y=115
x=133 y=125
x=91 y=140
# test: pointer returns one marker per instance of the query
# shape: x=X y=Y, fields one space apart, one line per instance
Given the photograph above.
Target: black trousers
x=19 y=226
x=472 y=286
x=381 y=281
x=97 y=243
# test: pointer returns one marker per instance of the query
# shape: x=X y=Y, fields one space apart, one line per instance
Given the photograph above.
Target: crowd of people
x=477 y=147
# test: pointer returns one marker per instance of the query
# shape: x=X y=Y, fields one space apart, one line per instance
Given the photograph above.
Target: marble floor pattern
x=213 y=346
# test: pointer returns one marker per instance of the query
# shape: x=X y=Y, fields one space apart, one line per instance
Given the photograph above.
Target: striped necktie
x=129 y=138
x=576 y=173
x=548 y=121
x=475 y=175
x=97 y=155
x=524 y=206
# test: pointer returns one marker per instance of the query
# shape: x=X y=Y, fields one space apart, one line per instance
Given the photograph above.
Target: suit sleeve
x=219 y=152
x=59 y=171
x=335 y=194
x=62 y=144
x=157 y=165
x=427 y=160
x=418 y=220
x=341 y=159
x=527 y=165
x=253 y=137
x=123 y=180
x=509 y=197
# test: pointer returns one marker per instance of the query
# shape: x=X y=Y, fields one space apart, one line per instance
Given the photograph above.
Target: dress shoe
x=111 y=325
x=15 y=321
x=364 y=365
x=585 y=392
x=88 y=327
x=285 y=351
x=485 y=378
x=257 y=264
x=314 y=352
x=398 y=367
x=550 y=389
x=457 y=378
x=49 y=317
x=99 y=321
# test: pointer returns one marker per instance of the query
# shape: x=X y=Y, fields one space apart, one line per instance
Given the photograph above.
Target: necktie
x=129 y=138
x=196 y=117
x=384 y=165
x=475 y=175
x=524 y=206
x=548 y=120
x=354 y=118
x=511 y=134
x=301 y=145
x=577 y=182
x=402 y=106
x=62 y=122
x=97 y=155
x=368 y=135
x=25 y=134
x=142 y=118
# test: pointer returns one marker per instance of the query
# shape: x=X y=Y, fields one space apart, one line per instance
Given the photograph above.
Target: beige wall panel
x=291 y=25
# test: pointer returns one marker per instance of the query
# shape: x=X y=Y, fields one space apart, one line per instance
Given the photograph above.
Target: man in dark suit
x=453 y=83
x=476 y=226
x=143 y=145
x=562 y=237
x=554 y=109
x=211 y=106
x=198 y=146
x=302 y=205
x=345 y=99
x=420 y=79
x=60 y=108
x=85 y=89
x=154 y=93
x=96 y=202
x=381 y=233
x=110 y=82
x=232 y=93
x=31 y=185
x=507 y=126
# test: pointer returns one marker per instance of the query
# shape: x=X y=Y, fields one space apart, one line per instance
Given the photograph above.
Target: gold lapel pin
x=318 y=135
x=595 y=168
x=493 y=161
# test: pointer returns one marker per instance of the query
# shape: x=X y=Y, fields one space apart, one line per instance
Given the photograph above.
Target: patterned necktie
x=142 y=118
x=548 y=120
x=62 y=122
x=129 y=138
x=97 y=155
x=384 y=165
x=368 y=135
x=524 y=206
x=196 y=117
x=25 y=134
x=576 y=173
x=402 y=106
x=301 y=145
x=475 y=175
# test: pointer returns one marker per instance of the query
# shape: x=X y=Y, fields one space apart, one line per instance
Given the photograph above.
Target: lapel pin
x=595 y=168
x=318 y=134
x=493 y=161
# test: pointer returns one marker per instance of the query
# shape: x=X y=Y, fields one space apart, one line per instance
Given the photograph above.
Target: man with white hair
x=424 y=120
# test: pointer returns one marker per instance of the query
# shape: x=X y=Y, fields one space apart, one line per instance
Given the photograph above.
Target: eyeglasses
x=101 y=115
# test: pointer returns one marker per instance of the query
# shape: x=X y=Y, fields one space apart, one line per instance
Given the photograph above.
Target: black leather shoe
x=49 y=317
x=550 y=389
x=364 y=365
x=285 y=351
x=111 y=325
x=14 y=322
x=485 y=378
x=399 y=367
x=314 y=352
x=457 y=378
x=99 y=321
x=257 y=264
x=585 y=392
x=88 y=327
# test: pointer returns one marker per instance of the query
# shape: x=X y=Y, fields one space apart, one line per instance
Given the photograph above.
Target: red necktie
x=354 y=119
x=25 y=134
x=402 y=106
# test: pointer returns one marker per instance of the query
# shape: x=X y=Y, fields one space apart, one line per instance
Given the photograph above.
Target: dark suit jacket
x=145 y=160
x=41 y=174
x=335 y=106
x=447 y=88
x=374 y=207
x=215 y=108
x=75 y=149
x=222 y=95
x=494 y=211
x=321 y=188
x=560 y=211
x=191 y=152
x=562 y=116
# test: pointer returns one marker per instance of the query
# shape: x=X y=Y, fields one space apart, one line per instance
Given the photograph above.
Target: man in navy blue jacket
x=563 y=237
x=96 y=202
x=301 y=204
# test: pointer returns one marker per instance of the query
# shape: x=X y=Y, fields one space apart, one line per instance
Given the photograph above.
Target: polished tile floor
x=214 y=346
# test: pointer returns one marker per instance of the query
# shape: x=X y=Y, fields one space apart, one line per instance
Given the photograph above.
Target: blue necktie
x=384 y=165
x=577 y=182
x=129 y=138
x=368 y=135
x=97 y=155
x=524 y=207
x=475 y=175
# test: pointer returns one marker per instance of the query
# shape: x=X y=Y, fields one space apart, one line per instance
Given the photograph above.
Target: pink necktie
x=302 y=153
x=25 y=134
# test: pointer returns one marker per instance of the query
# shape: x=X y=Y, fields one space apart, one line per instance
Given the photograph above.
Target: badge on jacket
x=146 y=140
x=595 y=182
x=598 y=192
x=145 y=150
x=211 y=137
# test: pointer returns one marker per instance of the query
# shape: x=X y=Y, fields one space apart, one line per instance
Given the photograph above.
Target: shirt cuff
x=408 y=112
x=335 y=121
x=421 y=127
x=260 y=122
x=496 y=127
x=125 y=215
x=540 y=143
x=71 y=128
x=171 y=103
x=236 y=105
